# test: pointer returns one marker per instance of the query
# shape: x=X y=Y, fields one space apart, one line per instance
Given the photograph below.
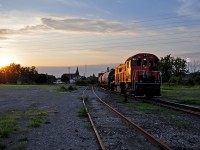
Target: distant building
x=73 y=76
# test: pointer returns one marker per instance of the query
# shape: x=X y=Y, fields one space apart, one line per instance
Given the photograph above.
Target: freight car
x=106 y=79
x=139 y=75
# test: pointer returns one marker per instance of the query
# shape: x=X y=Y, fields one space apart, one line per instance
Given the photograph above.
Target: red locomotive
x=139 y=75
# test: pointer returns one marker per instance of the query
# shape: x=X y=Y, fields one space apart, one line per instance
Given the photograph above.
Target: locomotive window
x=139 y=62
x=134 y=63
x=144 y=61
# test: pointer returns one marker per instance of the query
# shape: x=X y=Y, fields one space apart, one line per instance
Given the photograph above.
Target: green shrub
x=190 y=82
x=174 y=80
x=82 y=113
x=71 y=88
x=81 y=83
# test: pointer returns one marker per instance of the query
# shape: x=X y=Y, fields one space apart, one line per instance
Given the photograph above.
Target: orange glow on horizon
x=6 y=60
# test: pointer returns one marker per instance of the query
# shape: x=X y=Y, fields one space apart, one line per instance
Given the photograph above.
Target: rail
x=135 y=126
x=92 y=123
x=176 y=106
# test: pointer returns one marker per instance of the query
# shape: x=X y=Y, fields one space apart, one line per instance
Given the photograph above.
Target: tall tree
x=11 y=73
x=65 y=78
x=166 y=67
x=28 y=74
x=171 y=66
x=14 y=72
x=179 y=67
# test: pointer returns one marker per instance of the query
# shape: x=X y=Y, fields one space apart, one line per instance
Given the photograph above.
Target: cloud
x=24 y=30
x=189 y=8
x=88 y=25
x=5 y=31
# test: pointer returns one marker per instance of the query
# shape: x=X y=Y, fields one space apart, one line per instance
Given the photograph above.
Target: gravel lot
x=63 y=128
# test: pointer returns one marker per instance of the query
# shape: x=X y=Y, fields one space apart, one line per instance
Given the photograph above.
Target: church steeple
x=77 y=72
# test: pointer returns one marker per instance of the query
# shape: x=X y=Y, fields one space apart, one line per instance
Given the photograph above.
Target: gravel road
x=63 y=128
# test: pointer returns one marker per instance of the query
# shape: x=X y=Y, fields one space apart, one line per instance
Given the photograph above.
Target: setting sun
x=6 y=60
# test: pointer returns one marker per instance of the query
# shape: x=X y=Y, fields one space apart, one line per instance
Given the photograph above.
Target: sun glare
x=6 y=60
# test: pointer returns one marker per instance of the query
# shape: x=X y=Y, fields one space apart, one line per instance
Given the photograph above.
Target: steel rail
x=175 y=106
x=92 y=123
x=170 y=105
x=148 y=135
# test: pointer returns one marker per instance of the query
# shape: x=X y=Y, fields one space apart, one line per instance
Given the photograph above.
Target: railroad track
x=176 y=106
x=171 y=105
x=117 y=124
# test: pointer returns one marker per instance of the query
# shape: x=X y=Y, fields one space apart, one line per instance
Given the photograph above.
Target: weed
x=65 y=89
x=71 y=88
x=21 y=145
x=8 y=123
x=8 y=126
x=85 y=98
x=88 y=126
x=181 y=123
x=36 y=119
x=62 y=89
x=82 y=113
x=144 y=107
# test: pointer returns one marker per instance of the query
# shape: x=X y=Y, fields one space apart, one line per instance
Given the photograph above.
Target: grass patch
x=8 y=121
x=82 y=113
x=21 y=145
x=15 y=86
x=149 y=108
x=120 y=99
x=37 y=119
x=16 y=122
x=88 y=126
x=181 y=124
x=66 y=88
x=183 y=94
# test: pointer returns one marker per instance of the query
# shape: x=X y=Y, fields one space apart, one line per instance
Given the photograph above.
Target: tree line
x=176 y=71
x=15 y=73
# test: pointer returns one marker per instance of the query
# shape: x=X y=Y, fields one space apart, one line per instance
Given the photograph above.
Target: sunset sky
x=90 y=32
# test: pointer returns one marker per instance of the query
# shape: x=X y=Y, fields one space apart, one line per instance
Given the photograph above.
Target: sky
x=93 y=32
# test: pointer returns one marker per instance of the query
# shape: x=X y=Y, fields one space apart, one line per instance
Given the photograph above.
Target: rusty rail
x=152 y=138
x=92 y=123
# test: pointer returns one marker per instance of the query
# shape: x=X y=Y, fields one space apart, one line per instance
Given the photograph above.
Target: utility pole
x=85 y=70
x=69 y=72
